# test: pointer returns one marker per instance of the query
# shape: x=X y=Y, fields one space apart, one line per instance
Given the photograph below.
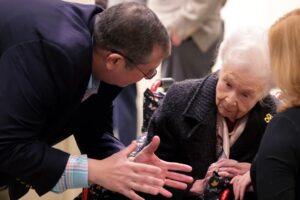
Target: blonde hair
x=247 y=48
x=284 y=45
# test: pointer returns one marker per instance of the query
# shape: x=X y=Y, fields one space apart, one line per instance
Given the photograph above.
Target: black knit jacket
x=186 y=125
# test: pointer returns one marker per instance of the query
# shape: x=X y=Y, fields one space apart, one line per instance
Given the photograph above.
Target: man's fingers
x=175 y=184
x=172 y=166
x=145 y=168
x=144 y=180
x=165 y=192
x=130 y=148
x=152 y=147
x=149 y=189
x=179 y=177
x=132 y=195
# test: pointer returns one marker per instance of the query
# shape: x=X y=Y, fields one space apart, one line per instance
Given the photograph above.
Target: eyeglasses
x=147 y=76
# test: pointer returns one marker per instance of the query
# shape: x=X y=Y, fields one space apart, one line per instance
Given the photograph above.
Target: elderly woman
x=217 y=122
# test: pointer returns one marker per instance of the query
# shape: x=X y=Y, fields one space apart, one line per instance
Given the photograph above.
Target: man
x=61 y=66
x=125 y=107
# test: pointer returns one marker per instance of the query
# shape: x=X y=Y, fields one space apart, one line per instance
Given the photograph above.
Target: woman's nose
x=231 y=101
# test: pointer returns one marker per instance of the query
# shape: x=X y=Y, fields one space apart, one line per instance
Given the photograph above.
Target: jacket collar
x=203 y=100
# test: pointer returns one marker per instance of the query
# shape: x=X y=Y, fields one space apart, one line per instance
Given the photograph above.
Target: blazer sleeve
x=94 y=131
x=27 y=95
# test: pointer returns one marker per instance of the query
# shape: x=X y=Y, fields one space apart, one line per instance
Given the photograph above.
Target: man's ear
x=114 y=61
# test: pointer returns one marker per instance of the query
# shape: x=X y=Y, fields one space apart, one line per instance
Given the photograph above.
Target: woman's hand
x=199 y=185
x=241 y=184
x=231 y=168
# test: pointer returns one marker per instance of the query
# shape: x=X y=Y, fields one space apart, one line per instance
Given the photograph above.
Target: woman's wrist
x=197 y=188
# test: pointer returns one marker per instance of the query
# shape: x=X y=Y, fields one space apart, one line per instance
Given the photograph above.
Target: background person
x=196 y=30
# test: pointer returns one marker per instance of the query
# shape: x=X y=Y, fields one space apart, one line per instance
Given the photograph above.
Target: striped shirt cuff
x=75 y=174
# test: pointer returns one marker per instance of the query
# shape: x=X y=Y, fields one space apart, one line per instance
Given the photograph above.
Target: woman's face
x=237 y=93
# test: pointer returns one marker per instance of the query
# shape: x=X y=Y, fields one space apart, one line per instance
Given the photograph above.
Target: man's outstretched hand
x=169 y=169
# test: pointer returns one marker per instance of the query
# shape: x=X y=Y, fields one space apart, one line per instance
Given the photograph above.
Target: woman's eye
x=245 y=95
x=228 y=84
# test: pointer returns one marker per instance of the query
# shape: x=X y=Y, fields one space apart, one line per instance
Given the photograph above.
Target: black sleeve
x=276 y=164
x=164 y=123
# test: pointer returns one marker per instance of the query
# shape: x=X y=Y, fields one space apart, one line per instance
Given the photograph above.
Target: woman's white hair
x=247 y=48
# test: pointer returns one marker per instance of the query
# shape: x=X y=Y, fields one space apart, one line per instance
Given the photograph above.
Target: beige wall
x=82 y=1
x=262 y=13
x=258 y=12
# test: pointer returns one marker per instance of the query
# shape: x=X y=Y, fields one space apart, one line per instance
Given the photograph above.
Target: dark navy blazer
x=45 y=66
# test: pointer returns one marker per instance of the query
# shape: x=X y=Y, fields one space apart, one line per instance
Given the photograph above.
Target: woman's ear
x=114 y=61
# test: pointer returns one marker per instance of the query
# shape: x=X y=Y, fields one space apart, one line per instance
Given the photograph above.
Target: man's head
x=129 y=44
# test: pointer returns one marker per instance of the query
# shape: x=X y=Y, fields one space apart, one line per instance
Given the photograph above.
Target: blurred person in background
x=196 y=30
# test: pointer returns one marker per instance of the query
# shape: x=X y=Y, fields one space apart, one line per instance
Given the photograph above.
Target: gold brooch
x=268 y=118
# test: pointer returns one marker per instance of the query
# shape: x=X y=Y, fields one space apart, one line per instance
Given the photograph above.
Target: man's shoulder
x=65 y=24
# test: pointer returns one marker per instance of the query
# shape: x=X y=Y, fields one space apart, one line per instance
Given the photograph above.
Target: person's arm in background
x=276 y=164
x=190 y=17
